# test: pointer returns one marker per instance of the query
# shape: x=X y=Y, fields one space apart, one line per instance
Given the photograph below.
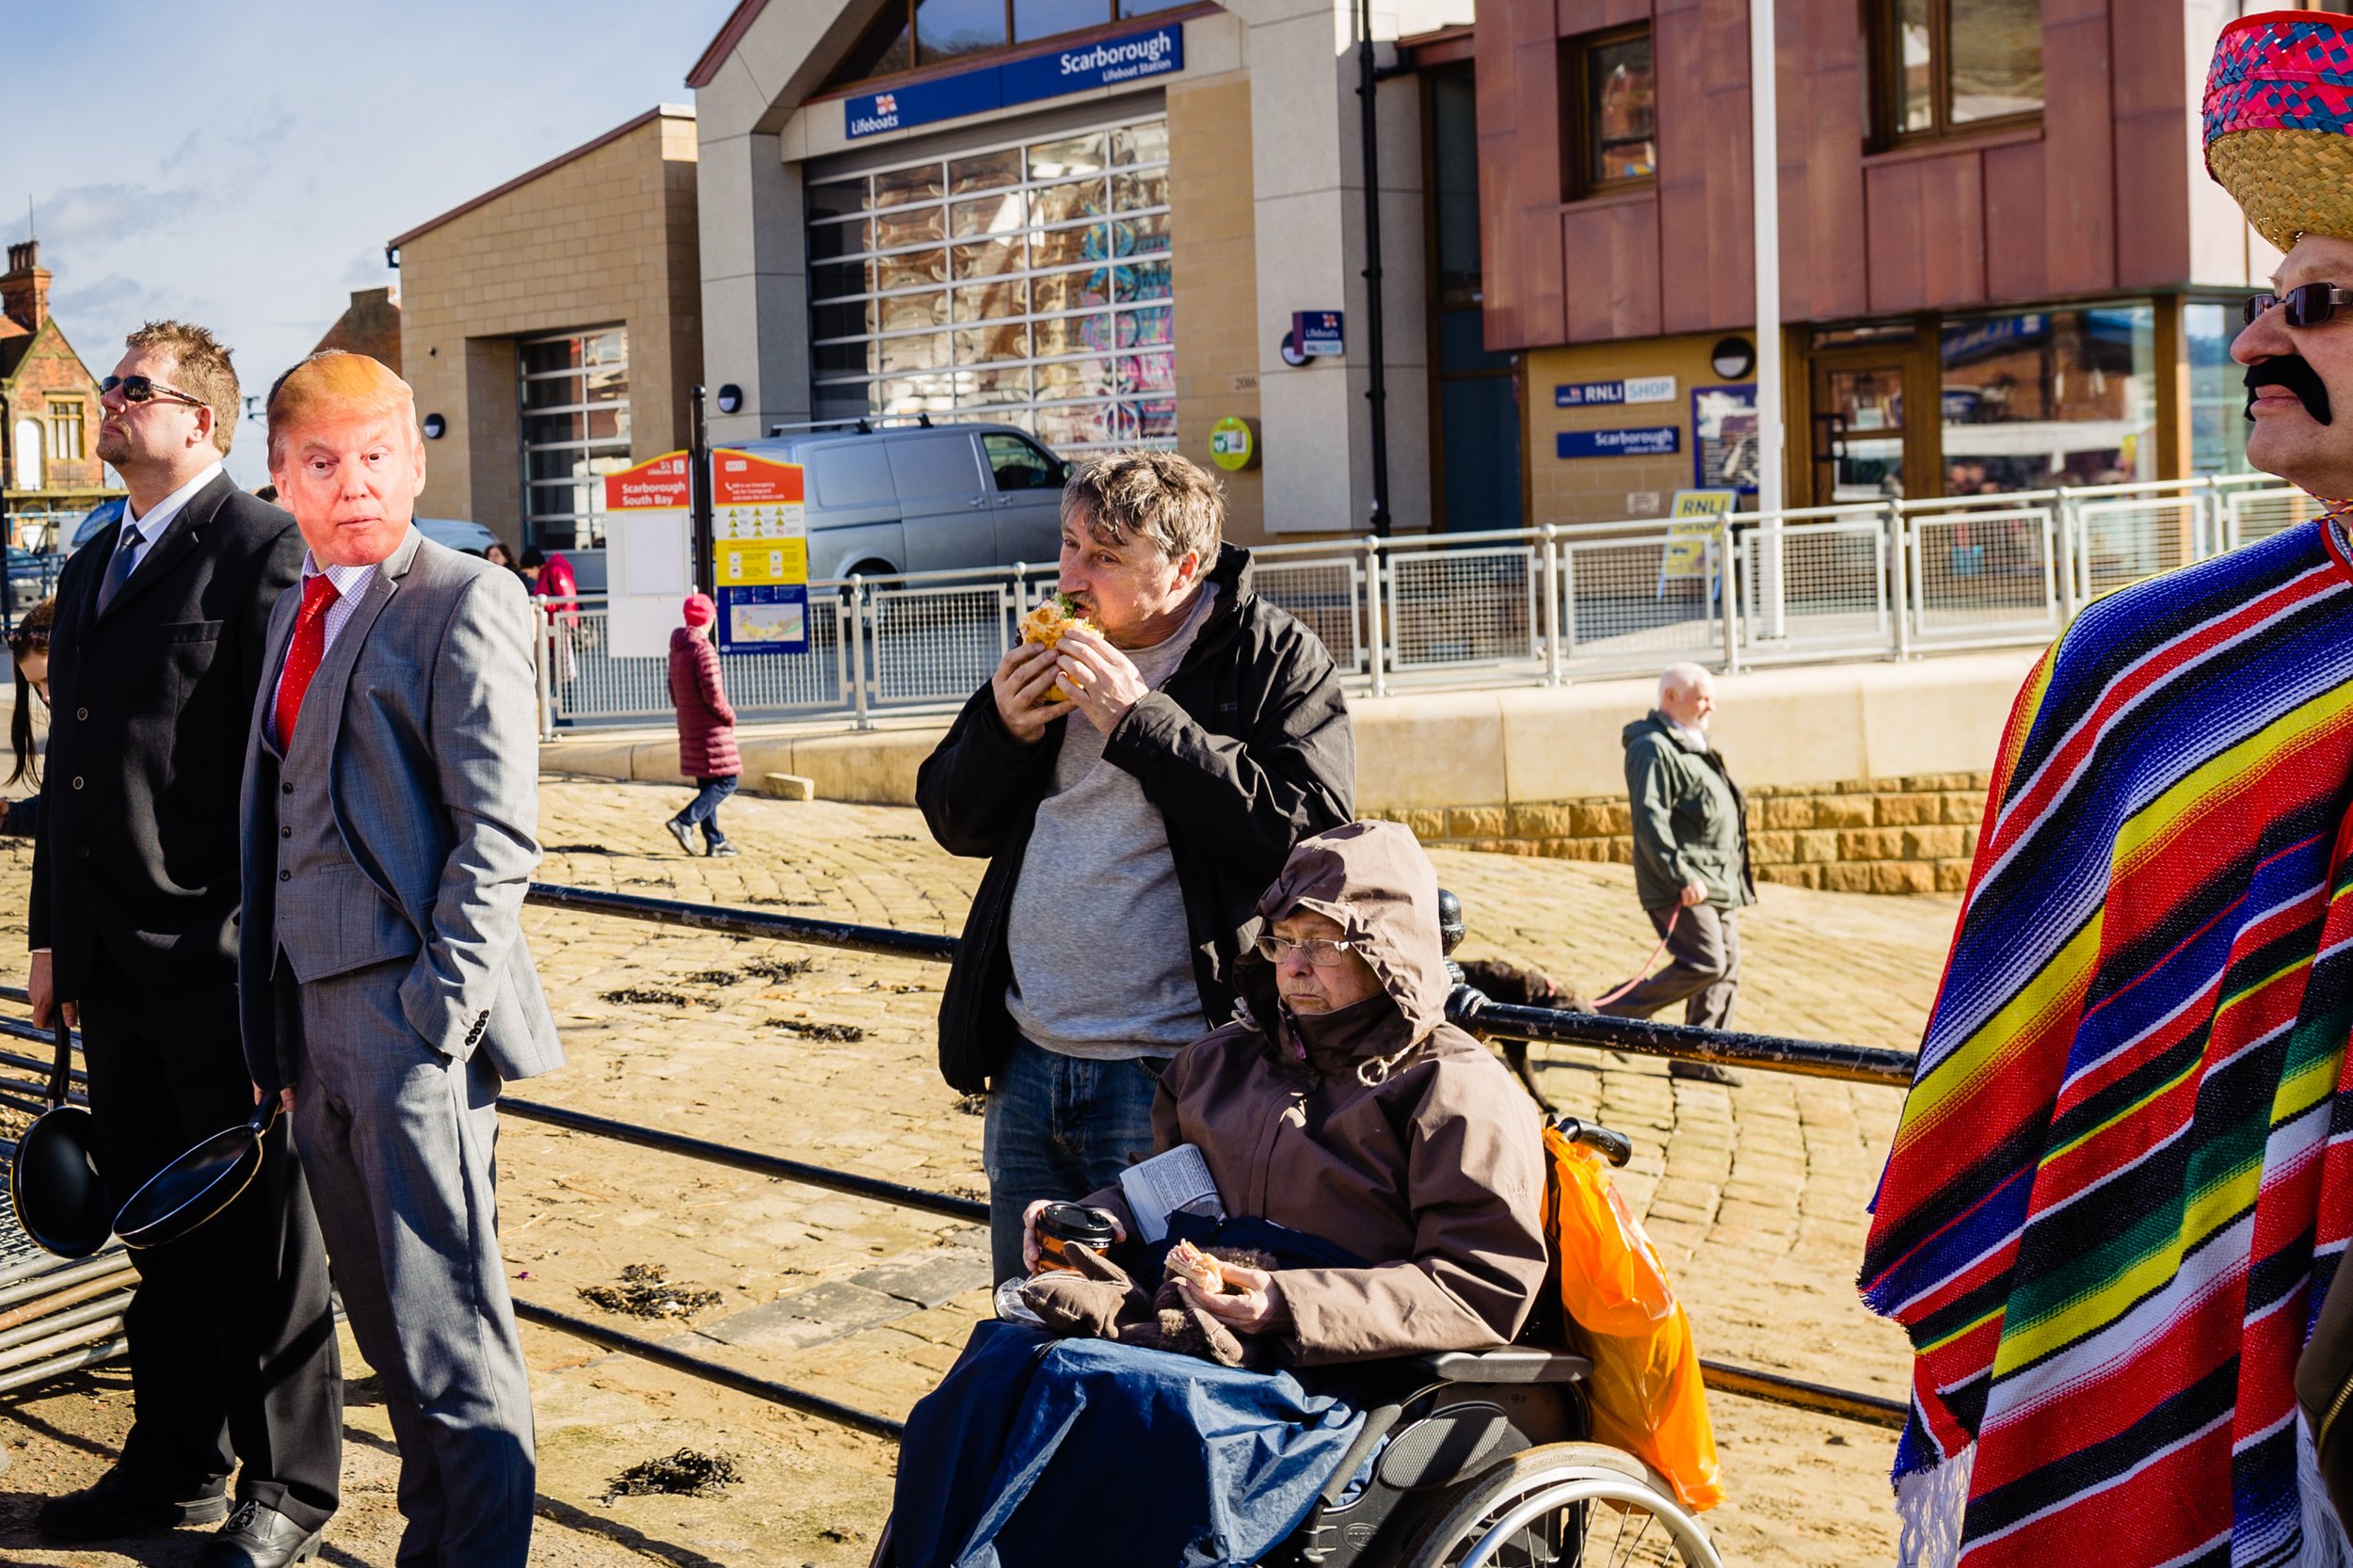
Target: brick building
x=552 y=331
x=369 y=325
x=49 y=468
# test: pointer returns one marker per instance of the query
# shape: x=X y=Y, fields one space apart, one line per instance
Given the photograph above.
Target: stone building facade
x=369 y=325
x=49 y=467
x=552 y=331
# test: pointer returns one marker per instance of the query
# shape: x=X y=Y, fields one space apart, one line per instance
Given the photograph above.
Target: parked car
x=458 y=534
x=924 y=497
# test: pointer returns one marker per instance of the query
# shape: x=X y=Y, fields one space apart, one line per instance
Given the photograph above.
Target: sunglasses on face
x=2307 y=306
x=139 y=389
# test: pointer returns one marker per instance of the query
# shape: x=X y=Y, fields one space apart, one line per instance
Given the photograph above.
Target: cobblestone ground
x=1755 y=1194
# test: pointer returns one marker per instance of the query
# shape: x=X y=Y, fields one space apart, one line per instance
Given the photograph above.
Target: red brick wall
x=51 y=370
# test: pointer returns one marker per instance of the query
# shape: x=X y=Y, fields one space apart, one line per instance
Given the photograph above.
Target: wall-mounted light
x=731 y=398
x=435 y=427
x=1733 y=358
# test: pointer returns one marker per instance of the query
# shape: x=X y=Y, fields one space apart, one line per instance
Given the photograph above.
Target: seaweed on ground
x=647 y=1291
x=834 y=1035
x=779 y=970
x=684 y=1474
x=644 y=997
x=714 y=977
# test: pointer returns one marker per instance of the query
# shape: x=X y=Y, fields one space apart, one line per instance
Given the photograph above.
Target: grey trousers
x=1702 y=971
x=398 y=1143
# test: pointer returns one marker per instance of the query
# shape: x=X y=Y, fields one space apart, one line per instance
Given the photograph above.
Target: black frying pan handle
x=61 y=1076
x=264 y=1114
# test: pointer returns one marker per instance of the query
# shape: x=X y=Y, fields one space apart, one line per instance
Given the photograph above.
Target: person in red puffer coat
x=706 y=728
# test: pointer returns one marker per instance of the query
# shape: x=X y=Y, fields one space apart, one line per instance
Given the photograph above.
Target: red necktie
x=303 y=656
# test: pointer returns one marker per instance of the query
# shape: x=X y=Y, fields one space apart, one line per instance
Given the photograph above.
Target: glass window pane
x=947 y=28
x=538 y=356
x=563 y=462
x=1146 y=329
x=992 y=215
x=837 y=278
x=919 y=394
x=902 y=186
x=540 y=428
x=1140 y=144
x=985 y=172
x=1147 y=280
x=1145 y=7
x=911 y=270
x=1132 y=191
x=1915 y=105
x=1066 y=204
x=1078 y=425
x=910 y=226
x=1156 y=420
x=608 y=384
x=1074 y=378
x=605 y=348
x=842 y=321
x=901 y=311
x=1035 y=19
x=608 y=424
x=927 y=351
x=2217 y=393
x=552 y=391
x=1148 y=373
x=1003 y=340
x=1008 y=253
x=991 y=301
x=843 y=359
x=830 y=240
x=1057 y=160
x=1059 y=291
x=1064 y=247
x=1997 y=58
x=1624 y=131
x=1072 y=335
x=995 y=384
x=1017 y=464
x=2076 y=391
x=1139 y=235
x=836 y=199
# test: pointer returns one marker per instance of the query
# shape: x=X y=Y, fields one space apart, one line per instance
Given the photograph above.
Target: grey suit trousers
x=398 y=1143
x=1702 y=971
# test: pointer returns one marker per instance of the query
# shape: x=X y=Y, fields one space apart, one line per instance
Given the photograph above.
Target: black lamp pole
x=1376 y=389
x=698 y=496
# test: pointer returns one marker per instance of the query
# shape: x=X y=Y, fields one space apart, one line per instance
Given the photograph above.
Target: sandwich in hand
x=1196 y=1268
x=1054 y=616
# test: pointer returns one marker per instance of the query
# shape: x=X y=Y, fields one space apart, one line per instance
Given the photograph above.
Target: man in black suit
x=155 y=661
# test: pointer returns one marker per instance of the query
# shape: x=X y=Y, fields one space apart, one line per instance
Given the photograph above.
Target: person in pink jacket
x=706 y=728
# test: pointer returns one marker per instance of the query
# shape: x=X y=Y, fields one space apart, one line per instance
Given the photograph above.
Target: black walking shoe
x=117 y=1505
x=722 y=848
x=258 y=1537
x=683 y=834
x=1703 y=1072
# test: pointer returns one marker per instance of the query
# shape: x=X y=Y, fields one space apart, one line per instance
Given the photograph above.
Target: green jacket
x=1689 y=822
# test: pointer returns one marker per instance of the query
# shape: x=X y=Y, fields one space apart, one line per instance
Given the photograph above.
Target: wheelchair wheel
x=1565 y=1505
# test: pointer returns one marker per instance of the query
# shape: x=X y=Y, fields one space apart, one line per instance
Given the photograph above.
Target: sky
x=242 y=165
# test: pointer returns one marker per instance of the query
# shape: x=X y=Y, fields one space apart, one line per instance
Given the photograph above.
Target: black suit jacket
x=149 y=706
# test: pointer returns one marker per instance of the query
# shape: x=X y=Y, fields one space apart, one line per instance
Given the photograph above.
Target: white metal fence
x=1524 y=606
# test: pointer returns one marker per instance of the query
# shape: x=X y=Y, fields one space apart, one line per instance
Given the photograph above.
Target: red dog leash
x=1643 y=973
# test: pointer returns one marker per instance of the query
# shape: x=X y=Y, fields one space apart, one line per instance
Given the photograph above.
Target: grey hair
x=1151 y=492
x=1680 y=677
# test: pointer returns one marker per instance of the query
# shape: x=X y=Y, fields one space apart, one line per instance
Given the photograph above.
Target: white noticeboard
x=649 y=556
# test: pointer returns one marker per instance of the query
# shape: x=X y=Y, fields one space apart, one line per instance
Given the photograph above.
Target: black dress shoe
x=117 y=1505
x=258 y=1537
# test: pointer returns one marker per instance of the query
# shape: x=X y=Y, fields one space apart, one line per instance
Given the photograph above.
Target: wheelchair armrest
x=1512 y=1364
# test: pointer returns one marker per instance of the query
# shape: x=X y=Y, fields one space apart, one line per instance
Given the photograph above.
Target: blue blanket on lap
x=1037 y=1450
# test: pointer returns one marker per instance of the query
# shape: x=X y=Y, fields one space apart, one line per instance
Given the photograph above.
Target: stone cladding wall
x=1908 y=834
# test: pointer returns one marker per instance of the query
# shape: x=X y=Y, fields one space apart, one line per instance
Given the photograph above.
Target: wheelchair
x=1484 y=1459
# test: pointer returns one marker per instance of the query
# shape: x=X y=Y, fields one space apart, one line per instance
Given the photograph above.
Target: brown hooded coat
x=1380 y=1128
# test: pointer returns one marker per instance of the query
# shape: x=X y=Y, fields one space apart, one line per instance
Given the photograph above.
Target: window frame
x=1886 y=41
x=69 y=413
x=589 y=526
x=1581 y=142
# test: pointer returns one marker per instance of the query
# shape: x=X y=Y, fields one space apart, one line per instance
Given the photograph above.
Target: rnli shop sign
x=1106 y=62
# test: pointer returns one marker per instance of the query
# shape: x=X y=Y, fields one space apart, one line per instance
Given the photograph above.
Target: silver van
x=923 y=497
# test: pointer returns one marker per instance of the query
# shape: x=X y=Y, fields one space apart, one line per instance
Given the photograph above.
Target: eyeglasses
x=141 y=388
x=1322 y=954
x=2308 y=305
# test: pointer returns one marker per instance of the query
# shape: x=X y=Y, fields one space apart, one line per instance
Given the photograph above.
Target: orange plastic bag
x=1645 y=1389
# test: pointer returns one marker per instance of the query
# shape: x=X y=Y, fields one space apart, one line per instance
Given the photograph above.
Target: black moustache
x=2294 y=371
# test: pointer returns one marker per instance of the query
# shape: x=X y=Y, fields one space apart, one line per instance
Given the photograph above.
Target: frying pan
x=198 y=1185
x=53 y=1179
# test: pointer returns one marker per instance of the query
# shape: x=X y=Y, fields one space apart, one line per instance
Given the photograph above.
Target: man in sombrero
x=2124 y=1181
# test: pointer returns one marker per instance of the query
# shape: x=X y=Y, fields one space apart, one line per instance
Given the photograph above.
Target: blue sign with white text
x=1649 y=441
x=1130 y=57
x=768 y=619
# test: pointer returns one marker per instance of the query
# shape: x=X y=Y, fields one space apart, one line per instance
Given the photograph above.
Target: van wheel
x=869 y=568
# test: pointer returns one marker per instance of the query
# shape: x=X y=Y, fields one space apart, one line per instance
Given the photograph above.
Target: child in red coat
x=706 y=728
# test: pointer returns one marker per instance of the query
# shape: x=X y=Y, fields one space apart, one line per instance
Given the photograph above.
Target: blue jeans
x=703 y=810
x=1060 y=1127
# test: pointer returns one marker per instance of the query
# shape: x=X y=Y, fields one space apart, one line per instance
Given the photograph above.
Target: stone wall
x=1908 y=834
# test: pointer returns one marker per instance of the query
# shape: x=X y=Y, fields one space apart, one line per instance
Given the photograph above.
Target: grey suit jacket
x=433 y=781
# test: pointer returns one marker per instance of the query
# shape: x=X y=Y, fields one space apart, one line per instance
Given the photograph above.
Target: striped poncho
x=2121 y=1182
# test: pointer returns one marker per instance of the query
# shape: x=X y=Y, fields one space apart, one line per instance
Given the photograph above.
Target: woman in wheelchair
x=1382 y=1177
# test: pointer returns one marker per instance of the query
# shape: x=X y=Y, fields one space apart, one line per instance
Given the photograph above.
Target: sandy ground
x=1755 y=1196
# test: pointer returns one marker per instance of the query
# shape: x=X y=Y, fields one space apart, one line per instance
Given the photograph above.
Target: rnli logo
x=885 y=102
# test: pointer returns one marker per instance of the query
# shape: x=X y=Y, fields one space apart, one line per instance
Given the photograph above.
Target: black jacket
x=149 y=704
x=1245 y=750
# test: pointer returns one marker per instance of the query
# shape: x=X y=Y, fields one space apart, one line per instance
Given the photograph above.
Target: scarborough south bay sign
x=1107 y=63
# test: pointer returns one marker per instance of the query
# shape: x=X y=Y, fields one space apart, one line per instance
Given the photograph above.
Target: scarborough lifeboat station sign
x=1107 y=63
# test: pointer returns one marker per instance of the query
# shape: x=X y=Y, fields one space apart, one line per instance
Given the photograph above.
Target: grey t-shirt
x=1102 y=959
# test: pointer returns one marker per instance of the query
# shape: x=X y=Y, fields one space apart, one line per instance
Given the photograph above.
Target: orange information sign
x=760 y=552
x=648 y=537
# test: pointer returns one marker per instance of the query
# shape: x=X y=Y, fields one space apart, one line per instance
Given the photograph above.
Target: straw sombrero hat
x=2279 y=122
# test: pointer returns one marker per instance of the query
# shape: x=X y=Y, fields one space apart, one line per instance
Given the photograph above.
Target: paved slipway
x=1756 y=1195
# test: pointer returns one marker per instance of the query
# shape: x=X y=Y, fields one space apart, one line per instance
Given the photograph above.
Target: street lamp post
x=1763 y=145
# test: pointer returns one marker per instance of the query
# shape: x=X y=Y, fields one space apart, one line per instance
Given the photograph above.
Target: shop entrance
x=1862 y=446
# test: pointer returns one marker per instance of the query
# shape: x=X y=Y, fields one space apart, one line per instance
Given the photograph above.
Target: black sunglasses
x=2308 y=306
x=139 y=389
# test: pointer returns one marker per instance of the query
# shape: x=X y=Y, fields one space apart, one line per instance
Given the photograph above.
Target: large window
x=575 y=412
x=2217 y=389
x=1026 y=283
x=1956 y=65
x=913 y=33
x=1608 y=101
x=2040 y=398
x=65 y=430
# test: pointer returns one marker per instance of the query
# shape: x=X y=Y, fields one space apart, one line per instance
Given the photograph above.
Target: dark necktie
x=126 y=555
x=303 y=655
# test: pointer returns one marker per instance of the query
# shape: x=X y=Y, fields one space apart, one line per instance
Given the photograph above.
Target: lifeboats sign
x=1106 y=62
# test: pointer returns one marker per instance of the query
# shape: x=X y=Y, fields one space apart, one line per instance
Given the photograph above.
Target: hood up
x=1373 y=878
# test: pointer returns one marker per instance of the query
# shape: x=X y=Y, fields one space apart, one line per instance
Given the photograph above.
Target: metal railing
x=1539 y=606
